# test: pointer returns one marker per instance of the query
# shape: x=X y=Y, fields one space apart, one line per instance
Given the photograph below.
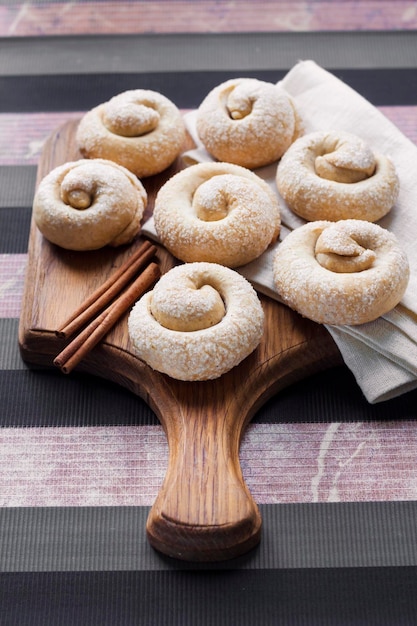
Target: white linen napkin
x=382 y=354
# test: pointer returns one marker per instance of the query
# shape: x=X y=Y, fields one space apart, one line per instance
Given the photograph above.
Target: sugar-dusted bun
x=334 y=176
x=248 y=122
x=88 y=204
x=200 y=320
x=216 y=212
x=139 y=129
x=346 y=272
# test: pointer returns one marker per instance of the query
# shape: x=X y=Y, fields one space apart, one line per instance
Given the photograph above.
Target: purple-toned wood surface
x=174 y=16
x=124 y=465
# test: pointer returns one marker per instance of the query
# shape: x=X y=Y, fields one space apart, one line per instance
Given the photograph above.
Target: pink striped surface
x=281 y=463
x=170 y=16
x=12 y=275
x=22 y=135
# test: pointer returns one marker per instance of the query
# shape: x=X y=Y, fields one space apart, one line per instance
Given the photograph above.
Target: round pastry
x=248 y=122
x=199 y=321
x=216 y=212
x=346 y=272
x=88 y=204
x=334 y=176
x=139 y=129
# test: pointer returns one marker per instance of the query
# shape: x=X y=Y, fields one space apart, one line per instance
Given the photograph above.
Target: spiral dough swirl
x=139 y=129
x=248 y=122
x=88 y=204
x=200 y=320
x=216 y=212
x=346 y=272
x=334 y=176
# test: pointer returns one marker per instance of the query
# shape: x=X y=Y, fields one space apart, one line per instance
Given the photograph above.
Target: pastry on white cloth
x=334 y=175
x=248 y=122
x=216 y=212
x=345 y=272
x=381 y=354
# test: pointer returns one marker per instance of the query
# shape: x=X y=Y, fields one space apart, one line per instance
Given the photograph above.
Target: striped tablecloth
x=81 y=460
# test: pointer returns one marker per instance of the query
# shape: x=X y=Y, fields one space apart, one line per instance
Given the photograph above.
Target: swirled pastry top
x=199 y=321
x=216 y=212
x=248 y=122
x=335 y=175
x=88 y=204
x=139 y=129
x=346 y=272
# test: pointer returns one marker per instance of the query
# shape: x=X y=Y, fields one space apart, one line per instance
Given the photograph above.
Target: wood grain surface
x=204 y=510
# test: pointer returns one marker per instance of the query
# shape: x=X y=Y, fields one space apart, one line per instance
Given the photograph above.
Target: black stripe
x=41 y=397
x=48 y=398
x=370 y=596
x=79 y=92
x=294 y=536
x=200 y=52
x=10 y=358
x=14 y=229
x=333 y=395
x=17 y=184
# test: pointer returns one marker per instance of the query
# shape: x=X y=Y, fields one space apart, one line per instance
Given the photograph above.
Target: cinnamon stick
x=83 y=343
x=104 y=294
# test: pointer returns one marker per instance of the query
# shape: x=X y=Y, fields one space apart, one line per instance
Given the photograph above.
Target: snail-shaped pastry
x=88 y=204
x=199 y=321
x=139 y=129
x=346 y=272
x=216 y=212
x=247 y=121
x=334 y=176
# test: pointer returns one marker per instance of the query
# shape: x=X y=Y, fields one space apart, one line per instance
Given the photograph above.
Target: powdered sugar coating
x=211 y=351
x=216 y=212
x=333 y=176
x=139 y=129
x=248 y=122
x=88 y=204
x=342 y=294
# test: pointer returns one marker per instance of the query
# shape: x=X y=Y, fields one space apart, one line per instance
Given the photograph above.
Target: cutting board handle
x=204 y=510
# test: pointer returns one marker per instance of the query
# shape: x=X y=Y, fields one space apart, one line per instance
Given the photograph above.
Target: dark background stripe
x=15 y=228
x=79 y=92
x=237 y=52
x=17 y=184
x=359 y=597
x=10 y=358
x=294 y=536
x=48 y=398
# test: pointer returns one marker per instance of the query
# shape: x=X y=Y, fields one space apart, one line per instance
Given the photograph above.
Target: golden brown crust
x=335 y=175
x=200 y=320
x=88 y=204
x=139 y=129
x=346 y=272
x=247 y=122
x=216 y=212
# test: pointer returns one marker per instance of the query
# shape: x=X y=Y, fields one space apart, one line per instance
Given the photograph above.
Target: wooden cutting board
x=204 y=510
